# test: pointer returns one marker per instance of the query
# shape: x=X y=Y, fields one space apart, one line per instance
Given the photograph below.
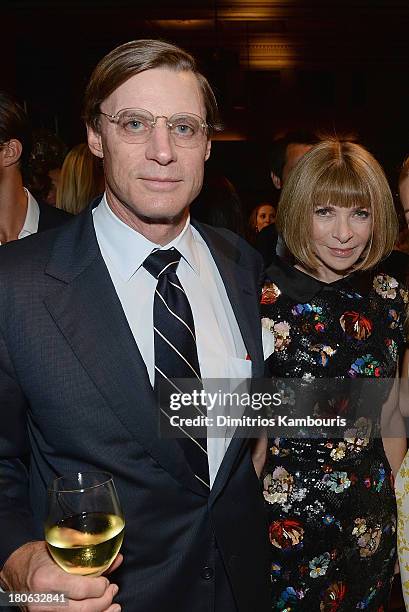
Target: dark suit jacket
x=266 y=242
x=51 y=217
x=75 y=395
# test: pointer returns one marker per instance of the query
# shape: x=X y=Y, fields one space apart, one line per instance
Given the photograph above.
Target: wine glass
x=84 y=528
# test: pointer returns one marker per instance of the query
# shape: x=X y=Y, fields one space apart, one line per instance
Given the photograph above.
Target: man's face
x=294 y=153
x=152 y=182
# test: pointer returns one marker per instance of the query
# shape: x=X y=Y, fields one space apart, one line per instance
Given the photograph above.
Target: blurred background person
x=402 y=478
x=20 y=213
x=44 y=165
x=402 y=244
x=81 y=180
x=219 y=205
x=285 y=154
x=403 y=192
x=404 y=188
x=261 y=216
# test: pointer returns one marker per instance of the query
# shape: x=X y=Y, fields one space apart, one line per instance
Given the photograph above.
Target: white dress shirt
x=30 y=225
x=220 y=347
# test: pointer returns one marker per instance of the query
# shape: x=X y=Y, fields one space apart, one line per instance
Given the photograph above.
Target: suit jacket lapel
x=84 y=309
x=242 y=291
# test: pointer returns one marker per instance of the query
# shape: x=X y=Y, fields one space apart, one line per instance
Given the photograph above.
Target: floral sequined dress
x=331 y=504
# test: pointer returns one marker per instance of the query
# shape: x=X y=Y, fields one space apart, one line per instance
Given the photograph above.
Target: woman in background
x=402 y=478
x=260 y=217
x=218 y=204
x=404 y=188
x=81 y=180
x=335 y=314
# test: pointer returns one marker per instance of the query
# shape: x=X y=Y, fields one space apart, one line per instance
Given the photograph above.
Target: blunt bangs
x=340 y=185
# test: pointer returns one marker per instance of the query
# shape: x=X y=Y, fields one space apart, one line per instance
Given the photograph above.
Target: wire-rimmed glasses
x=135 y=126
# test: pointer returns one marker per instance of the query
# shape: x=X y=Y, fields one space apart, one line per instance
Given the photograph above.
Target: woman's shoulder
x=390 y=279
x=396 y=265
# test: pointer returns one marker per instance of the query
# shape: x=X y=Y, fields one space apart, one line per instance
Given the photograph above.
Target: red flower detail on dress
x=270 y=293
x=286 y=533
x=356 y=325
x=332 y=597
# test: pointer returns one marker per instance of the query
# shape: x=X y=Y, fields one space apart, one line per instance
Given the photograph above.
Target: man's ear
x=208 y=149
x=276 y=180
x=95 y=142
x=10 y=152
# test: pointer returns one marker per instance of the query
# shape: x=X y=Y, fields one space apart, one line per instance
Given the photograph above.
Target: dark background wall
x=337 y=66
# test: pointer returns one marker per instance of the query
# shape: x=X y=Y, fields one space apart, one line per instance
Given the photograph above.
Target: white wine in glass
x=84 y=528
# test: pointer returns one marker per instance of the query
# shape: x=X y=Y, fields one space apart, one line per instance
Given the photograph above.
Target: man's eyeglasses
x=135 y=126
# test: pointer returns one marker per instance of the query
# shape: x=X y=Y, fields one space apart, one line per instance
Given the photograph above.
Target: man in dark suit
x=285 y=155
x=20 y=214
x=80 y=357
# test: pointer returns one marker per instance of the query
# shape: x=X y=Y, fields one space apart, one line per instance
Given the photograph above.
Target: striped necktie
x=175 y=347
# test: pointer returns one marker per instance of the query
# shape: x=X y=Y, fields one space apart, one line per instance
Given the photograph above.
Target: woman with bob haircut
x=337 y=315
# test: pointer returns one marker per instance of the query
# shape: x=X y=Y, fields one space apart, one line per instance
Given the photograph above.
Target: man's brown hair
x=137 y=56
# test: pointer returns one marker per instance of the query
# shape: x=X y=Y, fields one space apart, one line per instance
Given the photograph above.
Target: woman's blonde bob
x=81 y=180
x=336 y=173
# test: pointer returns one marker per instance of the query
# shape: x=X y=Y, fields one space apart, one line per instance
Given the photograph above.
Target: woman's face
x=265 y=216
x=339 y=237
x=404 y=197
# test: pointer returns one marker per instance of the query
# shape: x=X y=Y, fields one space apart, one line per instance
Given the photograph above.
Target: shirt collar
x=30 y=225
x=301 y=287
x=127 y=249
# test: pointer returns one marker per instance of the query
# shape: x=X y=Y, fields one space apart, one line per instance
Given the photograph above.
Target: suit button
x=207 y=573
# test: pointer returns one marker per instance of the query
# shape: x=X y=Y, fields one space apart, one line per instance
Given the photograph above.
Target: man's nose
x=160 y=146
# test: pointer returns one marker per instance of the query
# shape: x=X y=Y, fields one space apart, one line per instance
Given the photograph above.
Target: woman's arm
x=395 y=451
x=393 y=426
x=259 y=453
x=404 y=385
